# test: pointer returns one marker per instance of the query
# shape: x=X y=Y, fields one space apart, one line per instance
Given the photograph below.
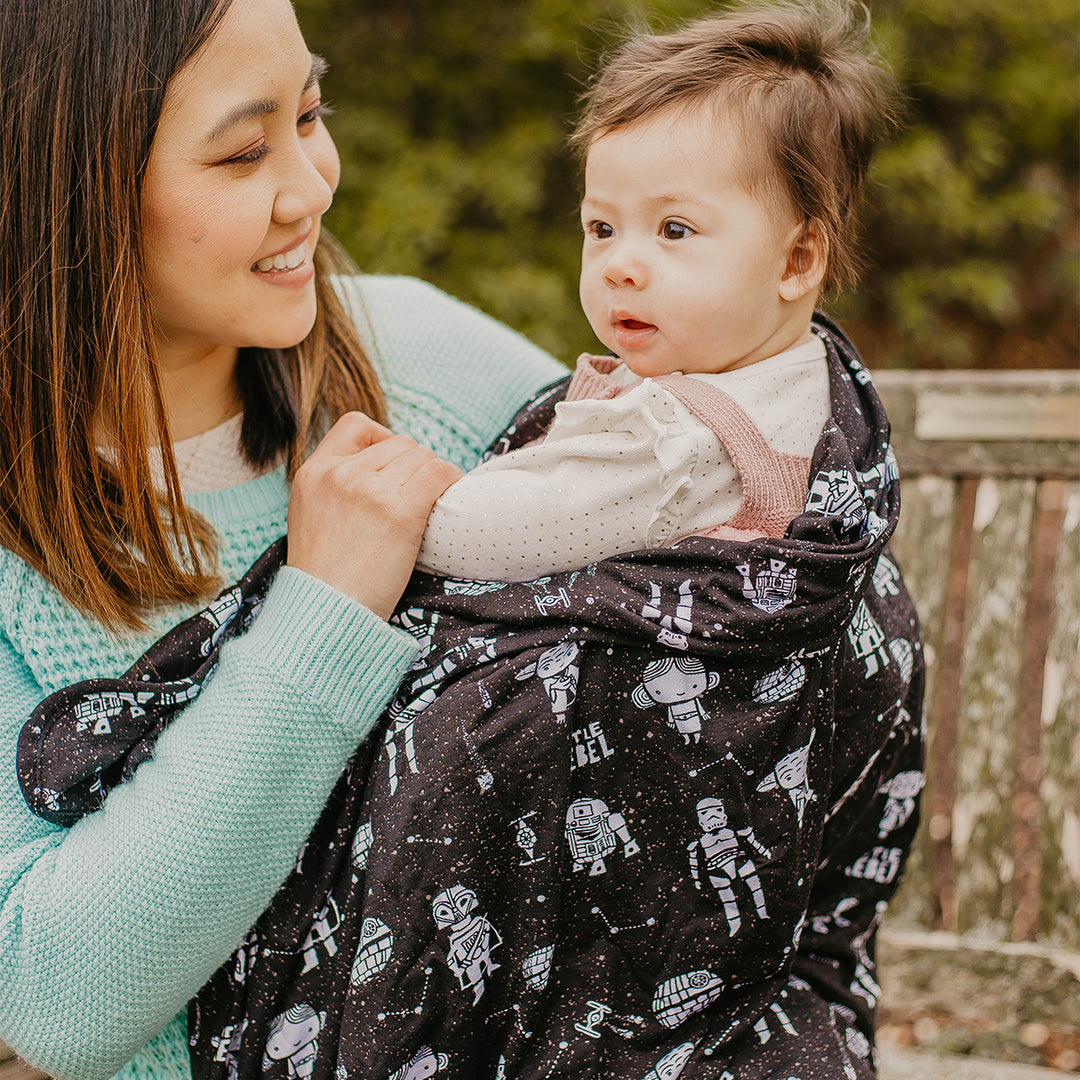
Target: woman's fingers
x=351 y=433
x=14 y=1068
x=356 y=516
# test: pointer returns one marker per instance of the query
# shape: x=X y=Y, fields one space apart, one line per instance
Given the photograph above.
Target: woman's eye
x=250 y=157
x=319 y=112
x=675 y=230
x=599 y=230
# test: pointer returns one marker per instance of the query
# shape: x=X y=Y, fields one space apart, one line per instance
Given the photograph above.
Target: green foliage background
x=451 y=119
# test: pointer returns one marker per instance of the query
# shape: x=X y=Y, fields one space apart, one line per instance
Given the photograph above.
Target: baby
x=723 y=167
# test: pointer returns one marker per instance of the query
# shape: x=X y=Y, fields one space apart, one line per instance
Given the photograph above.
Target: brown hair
x=800 y=81
x=81 y=92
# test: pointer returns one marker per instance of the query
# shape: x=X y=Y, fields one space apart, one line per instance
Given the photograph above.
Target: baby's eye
x=675 y=230
x=599 y=230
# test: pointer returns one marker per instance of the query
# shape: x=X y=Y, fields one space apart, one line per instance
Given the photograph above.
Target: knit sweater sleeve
x=108 y=928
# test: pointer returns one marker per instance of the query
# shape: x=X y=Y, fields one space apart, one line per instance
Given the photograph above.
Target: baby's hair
x=802 y=81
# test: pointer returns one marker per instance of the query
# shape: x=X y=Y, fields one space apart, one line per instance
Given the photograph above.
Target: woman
x=163 y=283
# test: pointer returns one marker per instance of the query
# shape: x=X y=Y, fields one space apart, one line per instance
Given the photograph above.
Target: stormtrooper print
x=593 y=832
x=464 y=939
x=677 y=682
x=472 y=938
x=718 y=855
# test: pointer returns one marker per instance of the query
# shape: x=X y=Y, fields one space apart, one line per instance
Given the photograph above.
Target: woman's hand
x=358 y=509
x=14 y=1068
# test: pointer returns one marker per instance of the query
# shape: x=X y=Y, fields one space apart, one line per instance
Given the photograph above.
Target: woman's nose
x=306 y=188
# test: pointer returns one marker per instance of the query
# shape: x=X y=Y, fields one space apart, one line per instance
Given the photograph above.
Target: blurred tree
x=451 y=121
x=972 y=220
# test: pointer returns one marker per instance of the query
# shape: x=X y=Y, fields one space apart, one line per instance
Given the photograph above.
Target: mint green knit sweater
x=108 y=928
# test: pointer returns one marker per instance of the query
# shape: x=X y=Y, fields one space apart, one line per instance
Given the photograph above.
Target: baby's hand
x=358 y=509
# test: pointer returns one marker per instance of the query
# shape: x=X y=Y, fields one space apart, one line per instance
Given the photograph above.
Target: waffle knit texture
x=108 y=928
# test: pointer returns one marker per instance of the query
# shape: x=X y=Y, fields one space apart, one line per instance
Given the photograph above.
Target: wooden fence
x=989 y=542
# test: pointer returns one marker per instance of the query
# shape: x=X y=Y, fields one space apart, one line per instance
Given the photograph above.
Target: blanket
x=636 y=821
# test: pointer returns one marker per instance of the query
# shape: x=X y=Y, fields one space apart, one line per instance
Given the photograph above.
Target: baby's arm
x=610 y=477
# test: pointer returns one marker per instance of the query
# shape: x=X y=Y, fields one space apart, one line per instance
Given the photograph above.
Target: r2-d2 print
x=772 y=589
x=593 y=832
x=472 y=938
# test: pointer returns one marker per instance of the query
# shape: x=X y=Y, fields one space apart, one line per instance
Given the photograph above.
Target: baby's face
x=682 y=268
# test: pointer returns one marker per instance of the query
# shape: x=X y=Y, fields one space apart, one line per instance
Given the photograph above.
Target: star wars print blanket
x=636 y=821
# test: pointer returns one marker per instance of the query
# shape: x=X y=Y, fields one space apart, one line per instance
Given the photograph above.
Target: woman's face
x=240 y=173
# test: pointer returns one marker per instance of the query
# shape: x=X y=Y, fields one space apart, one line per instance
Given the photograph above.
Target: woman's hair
x=81 y=91
x=803 y=86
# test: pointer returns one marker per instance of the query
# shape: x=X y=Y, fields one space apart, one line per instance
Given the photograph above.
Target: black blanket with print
x=635 y=821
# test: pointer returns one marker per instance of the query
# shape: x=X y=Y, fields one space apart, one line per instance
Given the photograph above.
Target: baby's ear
x=807 y=260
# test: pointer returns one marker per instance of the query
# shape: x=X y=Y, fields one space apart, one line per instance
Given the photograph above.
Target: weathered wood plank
x=988 y=982
x=1059 y=922
x=982 y=820
x=1024 y=423
x=923 y=546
